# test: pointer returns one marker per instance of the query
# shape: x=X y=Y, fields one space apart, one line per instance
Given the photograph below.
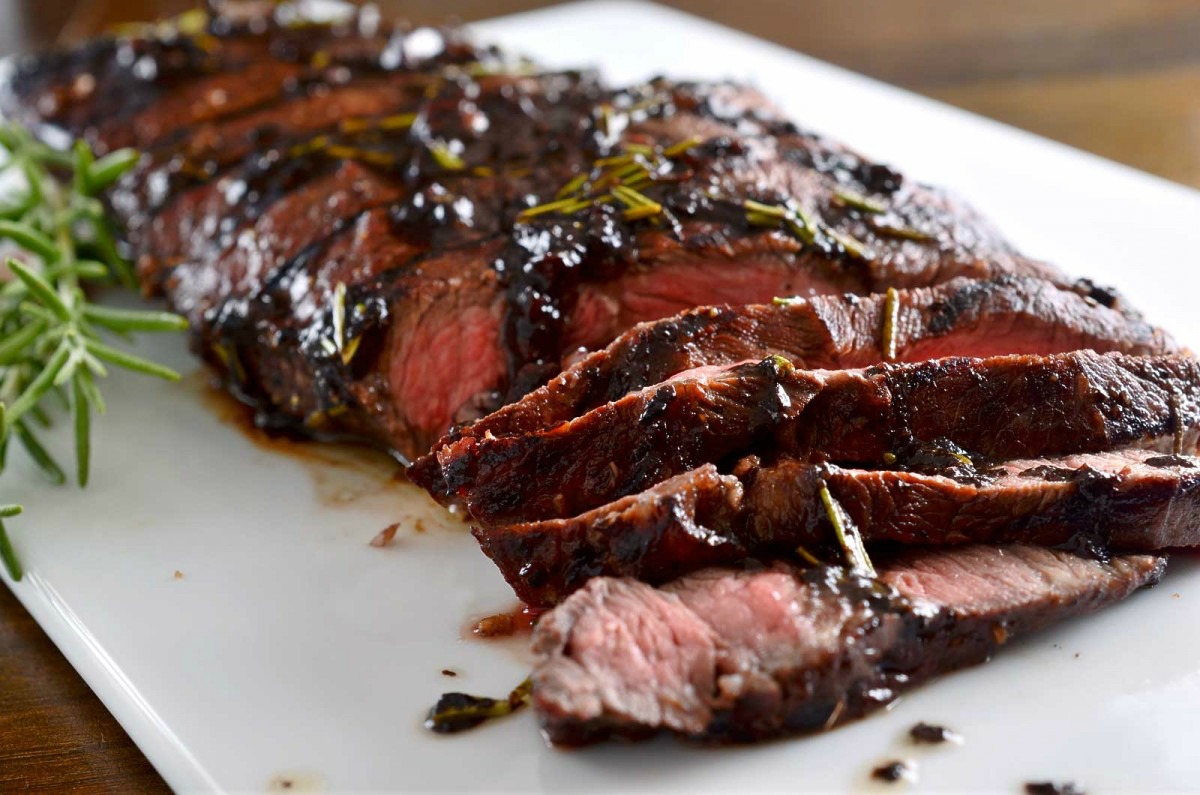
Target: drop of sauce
x=929 y=734
x=895 y=771
x=518 y=621
x=342 y=474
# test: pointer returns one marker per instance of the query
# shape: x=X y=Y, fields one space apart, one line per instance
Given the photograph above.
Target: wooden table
x=1118 y=77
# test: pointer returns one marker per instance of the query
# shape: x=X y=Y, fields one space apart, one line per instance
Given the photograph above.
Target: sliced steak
x=1128 y=500
x=735 y=656
x=1005 y=315
x=735 y=204
x=1000 y=408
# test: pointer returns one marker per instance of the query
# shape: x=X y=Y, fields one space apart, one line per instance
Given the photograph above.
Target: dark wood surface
x=1117 y=77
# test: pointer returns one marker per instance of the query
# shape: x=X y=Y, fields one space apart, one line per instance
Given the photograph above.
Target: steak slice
x=993 y=317
x=737 y=656
x=153 y=86
x=1127 y=500
x=1003 y=407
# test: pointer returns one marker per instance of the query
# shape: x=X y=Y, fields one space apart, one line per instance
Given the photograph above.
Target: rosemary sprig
x=52 y=338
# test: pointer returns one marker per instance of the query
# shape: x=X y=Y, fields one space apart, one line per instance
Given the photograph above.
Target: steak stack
x=675 y=356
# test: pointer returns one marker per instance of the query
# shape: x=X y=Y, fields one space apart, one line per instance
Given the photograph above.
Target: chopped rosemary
x=357 y=124
x=781 y=363
x=962 y=458
x=891 y=314
x=683 y=146
x=445 y=157
x=50 y=333
x=573 y=186
x=456 y=712
x=796 y=219
x=859 y=202
x=639 y=206
x=801 y=224
x=808 y=557
x=620 y=177
x=900 y=231
x=853 y=247
x=847 y=535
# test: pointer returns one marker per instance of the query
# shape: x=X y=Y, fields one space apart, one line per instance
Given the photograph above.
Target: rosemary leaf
x=40 y=385
x=109 y=169
x=15 y=345
x=847 y=534
x=124 y=320
x=11 y=563
x=40 y=289
x=94 y=398
x=83 y=161
x=130 y=361
x=859 y=202
x=83 y=446
x=446 y=158
x=30 y=239
x=891 y=312
x=43 y=459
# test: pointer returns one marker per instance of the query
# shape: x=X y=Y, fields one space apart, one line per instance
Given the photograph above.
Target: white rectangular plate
x=290 y=650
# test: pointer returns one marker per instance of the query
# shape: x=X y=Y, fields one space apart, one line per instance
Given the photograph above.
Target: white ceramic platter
x=290 y=651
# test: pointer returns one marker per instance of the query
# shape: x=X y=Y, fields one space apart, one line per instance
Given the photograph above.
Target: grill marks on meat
x=734 y=656
x=999 y=316
x=1124 y=500
x=252 y=188
x=999 y=408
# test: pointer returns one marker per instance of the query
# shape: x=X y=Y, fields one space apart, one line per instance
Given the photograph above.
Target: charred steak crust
x=1132 y=500
x=272 y=149
x=1006 y=315
x=1000 y=407
x=734 y=656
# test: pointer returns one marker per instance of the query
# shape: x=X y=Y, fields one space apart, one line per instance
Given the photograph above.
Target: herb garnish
x=884 y=227
x=51 y=340
x=620 y=178
x=445 y=157
x=891 y=313
x=793 y=218
x=456 y=712
x=849 y=198
x=847 y=534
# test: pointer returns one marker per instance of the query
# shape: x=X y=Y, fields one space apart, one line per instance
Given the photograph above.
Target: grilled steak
x=378 y=233
x=1130 y=500
x=736 y=656
x=1001 y=407
x=980 y=318
x=384 y=274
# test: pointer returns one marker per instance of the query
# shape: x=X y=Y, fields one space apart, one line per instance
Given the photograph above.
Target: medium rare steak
x=1127 y=500
x=1001 y=407
x=440 y=250
x=733 y=656
x=976 y=317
